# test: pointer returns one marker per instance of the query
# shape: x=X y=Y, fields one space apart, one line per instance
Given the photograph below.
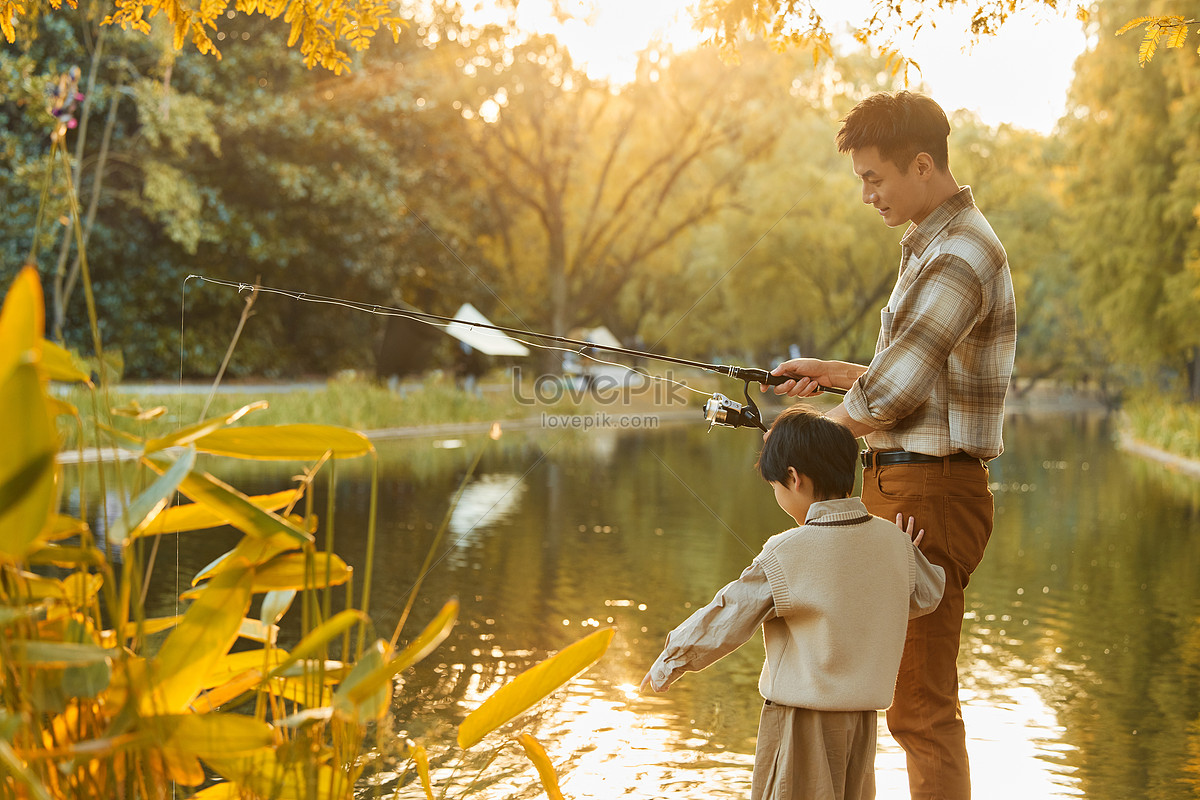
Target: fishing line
x=578 y=347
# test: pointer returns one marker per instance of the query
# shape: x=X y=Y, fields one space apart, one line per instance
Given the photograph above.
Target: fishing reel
x=720 y=410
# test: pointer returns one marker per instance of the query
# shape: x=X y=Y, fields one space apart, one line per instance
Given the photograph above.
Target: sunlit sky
x=1020 y=76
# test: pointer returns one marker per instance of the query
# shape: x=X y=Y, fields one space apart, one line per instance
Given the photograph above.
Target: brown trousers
x=802 y=754
x=952 y=502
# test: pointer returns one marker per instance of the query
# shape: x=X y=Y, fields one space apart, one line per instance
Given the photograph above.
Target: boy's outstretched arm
x=714 y=631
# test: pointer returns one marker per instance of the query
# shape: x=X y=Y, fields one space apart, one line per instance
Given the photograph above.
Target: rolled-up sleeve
x=716 y=630
x=928 y=587
x=931 y=317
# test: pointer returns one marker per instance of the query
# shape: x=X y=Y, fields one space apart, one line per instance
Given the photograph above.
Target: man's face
x=899 y=196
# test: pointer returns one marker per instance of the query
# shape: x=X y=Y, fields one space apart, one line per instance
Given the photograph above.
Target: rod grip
x=776 y=380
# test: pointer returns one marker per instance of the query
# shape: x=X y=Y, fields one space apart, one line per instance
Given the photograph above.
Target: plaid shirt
x=946 y=343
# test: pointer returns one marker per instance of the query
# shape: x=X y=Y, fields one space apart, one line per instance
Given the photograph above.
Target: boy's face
x=794 y=496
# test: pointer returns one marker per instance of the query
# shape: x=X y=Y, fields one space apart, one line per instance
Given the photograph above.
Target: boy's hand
x=647 y=684
x=916 y=540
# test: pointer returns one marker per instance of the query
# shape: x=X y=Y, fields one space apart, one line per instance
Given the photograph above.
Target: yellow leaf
x=289 y=571
x=28 y=439
x=531 y=686
x=197 y=645
x=238 y=508
x=150 y=626
x=59 y=365
x=63 y=527
x=181 y=768
x=33 y=588
x=209 y=735
x=149 y=503
x=315 y=640
x=285 y=442
x=194 y=432
x=367 y=706
x=198 y=516
x=22 y=321
x=420 y=757
x=81 y=587
x=537 y=754
x=1133 y=23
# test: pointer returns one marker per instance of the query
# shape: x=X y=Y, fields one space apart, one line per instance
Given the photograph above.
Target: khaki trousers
x=803 y=754
x=952 y=502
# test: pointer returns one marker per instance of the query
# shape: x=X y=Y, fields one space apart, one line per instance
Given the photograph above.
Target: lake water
x=1080 y=657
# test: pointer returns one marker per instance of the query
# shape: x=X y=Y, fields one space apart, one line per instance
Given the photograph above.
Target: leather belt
x=884 y=458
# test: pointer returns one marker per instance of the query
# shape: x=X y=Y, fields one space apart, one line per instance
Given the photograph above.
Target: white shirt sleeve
x=716 y=630
x=927 y=591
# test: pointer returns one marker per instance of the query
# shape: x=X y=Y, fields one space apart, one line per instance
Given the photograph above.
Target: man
x=931 y=402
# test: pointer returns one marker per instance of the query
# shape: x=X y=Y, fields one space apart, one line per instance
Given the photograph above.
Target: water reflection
x=1081 y=647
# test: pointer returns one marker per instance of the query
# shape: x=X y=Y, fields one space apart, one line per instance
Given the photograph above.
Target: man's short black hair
x=901 y=125
x=824 y=450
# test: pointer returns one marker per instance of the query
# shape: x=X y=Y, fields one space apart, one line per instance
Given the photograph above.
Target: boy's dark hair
x=824 y=450
x=900 y=124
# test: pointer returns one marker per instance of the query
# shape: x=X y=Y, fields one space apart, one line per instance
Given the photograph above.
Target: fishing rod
x=718 y=410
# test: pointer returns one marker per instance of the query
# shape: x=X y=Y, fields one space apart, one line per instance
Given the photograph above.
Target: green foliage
x=1131 y=200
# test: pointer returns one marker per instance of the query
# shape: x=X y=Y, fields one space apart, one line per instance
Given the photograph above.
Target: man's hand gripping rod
x=720 y=410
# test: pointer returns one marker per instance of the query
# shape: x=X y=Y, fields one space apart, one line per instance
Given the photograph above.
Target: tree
x=1132 y=137
x=585 y=184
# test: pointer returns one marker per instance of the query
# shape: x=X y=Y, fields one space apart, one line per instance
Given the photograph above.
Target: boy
x=833 y=597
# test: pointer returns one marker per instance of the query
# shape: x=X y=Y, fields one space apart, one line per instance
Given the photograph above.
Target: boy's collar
x=841 y=510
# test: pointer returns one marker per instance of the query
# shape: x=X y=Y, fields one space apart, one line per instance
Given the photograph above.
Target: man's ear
x=924 y=165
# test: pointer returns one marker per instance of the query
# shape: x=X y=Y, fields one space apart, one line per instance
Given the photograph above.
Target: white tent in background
x=485 y=340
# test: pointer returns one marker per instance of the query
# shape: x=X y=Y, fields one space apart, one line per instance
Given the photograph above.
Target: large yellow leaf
x=537 y=754
x=531 y=686
x=28 y=443
x=22 y=321
x=200 y=429
x=198 y=516
x=285 y=442
x=201 y=639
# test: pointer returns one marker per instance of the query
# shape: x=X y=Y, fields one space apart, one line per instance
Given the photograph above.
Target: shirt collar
x=918 y=237
x=839 y=510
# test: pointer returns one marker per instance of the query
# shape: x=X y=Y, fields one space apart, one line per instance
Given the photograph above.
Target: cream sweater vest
x=841 y=585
